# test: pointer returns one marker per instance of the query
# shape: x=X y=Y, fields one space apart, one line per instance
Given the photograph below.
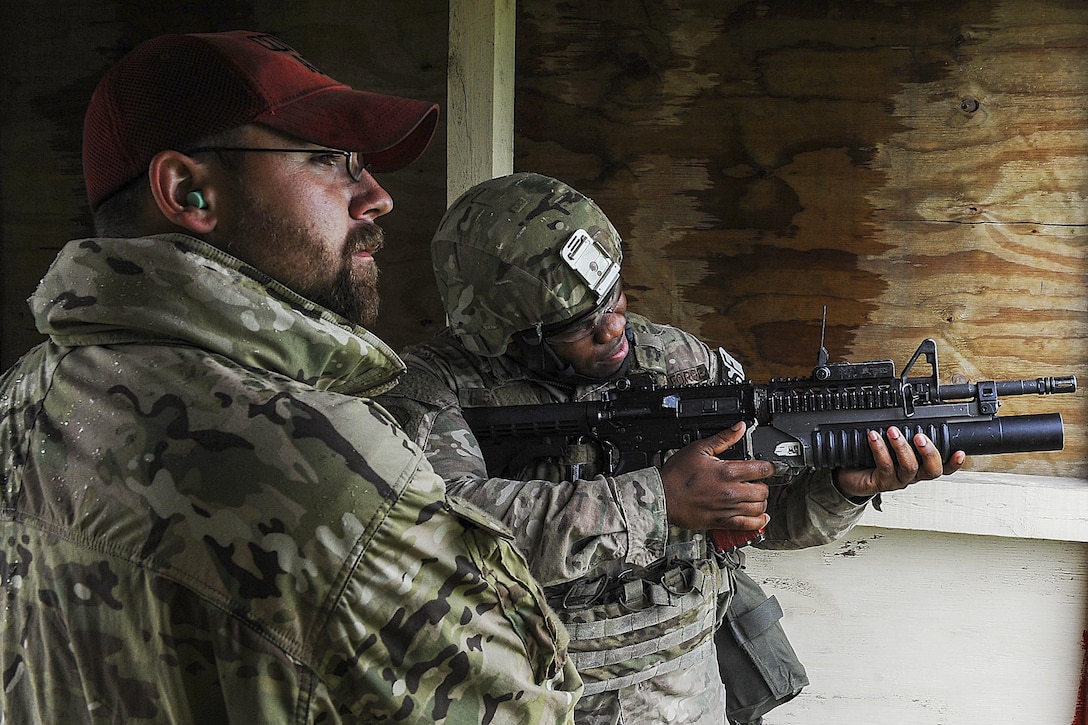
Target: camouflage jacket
x=579 y=533
x=203 y=521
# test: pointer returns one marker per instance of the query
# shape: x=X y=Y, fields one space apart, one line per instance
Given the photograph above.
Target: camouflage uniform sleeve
x=809 y=511
x=482 y=646
x=565 y=529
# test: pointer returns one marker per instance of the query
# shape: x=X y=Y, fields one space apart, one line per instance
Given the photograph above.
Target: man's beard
x=331 y=280
x=353 y=293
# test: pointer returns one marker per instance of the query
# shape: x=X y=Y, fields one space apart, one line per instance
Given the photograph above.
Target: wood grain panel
x=916 y=167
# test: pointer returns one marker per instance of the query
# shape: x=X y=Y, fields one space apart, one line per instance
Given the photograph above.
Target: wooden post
x=480 y=93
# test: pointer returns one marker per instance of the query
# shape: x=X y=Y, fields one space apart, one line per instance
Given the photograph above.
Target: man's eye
x=328 y=159
x=588 y=326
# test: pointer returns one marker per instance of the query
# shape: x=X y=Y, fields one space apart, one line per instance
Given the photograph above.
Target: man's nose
x=369 y=199
x=612 y=325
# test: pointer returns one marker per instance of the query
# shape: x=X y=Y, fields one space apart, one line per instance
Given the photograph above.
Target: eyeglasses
x=353 y=160
x=585 y=326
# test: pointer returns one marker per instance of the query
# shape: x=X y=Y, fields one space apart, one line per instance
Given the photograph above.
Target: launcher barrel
x=848 y=446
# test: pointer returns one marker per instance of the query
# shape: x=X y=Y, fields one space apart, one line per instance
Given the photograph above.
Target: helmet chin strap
x=537 y=355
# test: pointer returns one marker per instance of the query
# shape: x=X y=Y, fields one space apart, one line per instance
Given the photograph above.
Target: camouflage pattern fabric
x=501 y=235
x=573 y=532
x=204 y=521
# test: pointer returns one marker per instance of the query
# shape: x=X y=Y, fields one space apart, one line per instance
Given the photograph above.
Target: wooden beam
x=990 y=504
x=480 y=93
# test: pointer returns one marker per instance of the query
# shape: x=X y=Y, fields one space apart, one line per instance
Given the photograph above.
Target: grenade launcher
x=820 y=421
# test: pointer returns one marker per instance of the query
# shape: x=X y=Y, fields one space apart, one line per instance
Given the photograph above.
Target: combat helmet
x=519 y=253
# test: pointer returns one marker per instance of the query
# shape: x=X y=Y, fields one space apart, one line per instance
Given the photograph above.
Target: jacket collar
x=172 y=288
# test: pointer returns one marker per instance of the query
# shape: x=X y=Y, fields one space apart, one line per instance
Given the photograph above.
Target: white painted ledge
x=992 y=504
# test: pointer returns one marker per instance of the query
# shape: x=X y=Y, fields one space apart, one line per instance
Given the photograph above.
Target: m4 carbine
x=821 y=421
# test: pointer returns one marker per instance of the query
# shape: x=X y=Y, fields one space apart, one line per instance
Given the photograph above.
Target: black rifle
x=820 y=421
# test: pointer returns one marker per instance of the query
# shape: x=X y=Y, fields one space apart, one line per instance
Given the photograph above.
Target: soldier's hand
x=706 y=492
x=897 y=466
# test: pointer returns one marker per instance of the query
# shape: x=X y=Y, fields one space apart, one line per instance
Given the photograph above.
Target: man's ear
x=184 y=191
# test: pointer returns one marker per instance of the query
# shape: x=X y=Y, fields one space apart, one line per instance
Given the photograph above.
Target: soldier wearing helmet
x=529 y=273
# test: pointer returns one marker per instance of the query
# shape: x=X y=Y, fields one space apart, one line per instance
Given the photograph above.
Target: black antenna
x=822 y=357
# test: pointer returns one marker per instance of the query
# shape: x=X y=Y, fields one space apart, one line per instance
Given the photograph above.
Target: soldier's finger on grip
x=724 y=440
x=737 y=522
x=958 y=459
x=906 y=462
x=739 y=493
x=881 y=455
x=750 y=471
x=931 y=466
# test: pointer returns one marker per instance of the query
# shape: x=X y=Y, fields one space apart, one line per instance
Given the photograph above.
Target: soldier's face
x=600 y=354
x=303 y=221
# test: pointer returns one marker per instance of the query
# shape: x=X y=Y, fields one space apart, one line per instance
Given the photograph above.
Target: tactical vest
x=627 y=624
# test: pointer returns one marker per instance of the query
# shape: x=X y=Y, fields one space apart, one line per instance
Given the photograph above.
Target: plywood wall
x=919 y=168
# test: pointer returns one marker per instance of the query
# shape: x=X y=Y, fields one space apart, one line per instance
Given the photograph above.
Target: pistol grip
x=731 y=540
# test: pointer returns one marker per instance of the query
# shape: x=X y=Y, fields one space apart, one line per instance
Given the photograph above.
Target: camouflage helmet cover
x=520 y=252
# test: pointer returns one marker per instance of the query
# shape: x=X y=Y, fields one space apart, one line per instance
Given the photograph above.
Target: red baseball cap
x=174 y=89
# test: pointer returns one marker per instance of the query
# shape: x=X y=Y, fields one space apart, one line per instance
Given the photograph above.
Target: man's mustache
x=368 y=239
